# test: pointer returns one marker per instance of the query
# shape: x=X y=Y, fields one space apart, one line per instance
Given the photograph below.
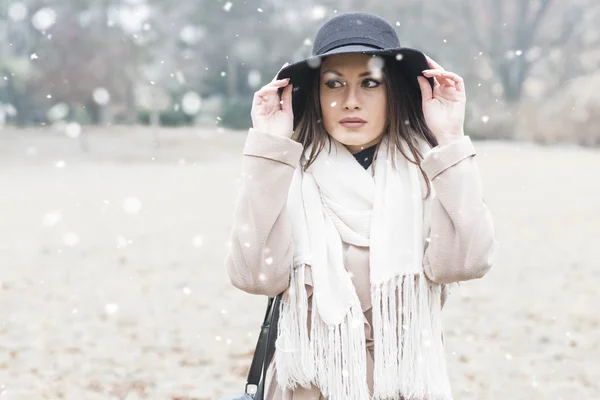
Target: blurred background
x=122 y=124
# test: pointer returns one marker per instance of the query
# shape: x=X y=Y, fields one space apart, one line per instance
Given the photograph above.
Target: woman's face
x=351 y=89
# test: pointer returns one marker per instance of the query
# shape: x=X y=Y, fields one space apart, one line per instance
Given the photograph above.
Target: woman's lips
x=353 y=124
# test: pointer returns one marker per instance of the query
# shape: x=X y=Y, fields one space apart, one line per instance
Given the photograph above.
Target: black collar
x=365 y=156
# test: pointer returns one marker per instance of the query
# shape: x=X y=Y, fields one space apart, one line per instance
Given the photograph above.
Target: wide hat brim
x=405 y=61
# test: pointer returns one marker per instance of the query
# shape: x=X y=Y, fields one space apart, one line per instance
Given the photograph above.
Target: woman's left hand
x=444 y=105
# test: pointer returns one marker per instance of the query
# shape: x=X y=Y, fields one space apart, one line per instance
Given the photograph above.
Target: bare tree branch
x=476 y=37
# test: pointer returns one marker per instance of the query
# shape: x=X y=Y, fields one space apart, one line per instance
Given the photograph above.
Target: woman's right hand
x=268 y=114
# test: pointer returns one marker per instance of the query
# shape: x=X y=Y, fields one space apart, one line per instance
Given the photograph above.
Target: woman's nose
x=351 y=101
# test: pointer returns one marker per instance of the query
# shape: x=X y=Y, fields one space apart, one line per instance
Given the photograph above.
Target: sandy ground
x=112 y=283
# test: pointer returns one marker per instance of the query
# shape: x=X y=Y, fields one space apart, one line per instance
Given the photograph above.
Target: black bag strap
x=265 y=348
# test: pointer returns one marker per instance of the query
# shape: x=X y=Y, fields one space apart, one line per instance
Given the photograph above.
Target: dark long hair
x=405 y=120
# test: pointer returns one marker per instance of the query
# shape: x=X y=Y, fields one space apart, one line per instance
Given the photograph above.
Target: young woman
x=362 y=202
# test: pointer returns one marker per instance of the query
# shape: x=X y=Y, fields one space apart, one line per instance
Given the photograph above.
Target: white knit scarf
x=336 y=200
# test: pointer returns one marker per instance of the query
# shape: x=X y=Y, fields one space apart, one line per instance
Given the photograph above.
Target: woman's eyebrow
x=340 y=74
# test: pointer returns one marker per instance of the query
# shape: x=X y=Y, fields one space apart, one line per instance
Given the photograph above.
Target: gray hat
x=355 y=32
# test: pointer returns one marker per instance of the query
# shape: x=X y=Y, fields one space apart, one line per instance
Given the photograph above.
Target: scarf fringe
x=294 y=355
x=333 y=358
x=409 y=358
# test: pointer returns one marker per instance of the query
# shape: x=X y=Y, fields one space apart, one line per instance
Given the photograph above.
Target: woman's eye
x=371 y=83
x=332 y=84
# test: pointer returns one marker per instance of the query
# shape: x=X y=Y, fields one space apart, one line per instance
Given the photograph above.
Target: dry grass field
x=113 y=286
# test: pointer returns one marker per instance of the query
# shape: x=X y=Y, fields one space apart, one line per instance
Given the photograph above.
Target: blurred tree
x=101 y=56
x=517 y=35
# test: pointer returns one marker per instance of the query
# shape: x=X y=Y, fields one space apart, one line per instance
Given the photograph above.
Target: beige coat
x=461 y=247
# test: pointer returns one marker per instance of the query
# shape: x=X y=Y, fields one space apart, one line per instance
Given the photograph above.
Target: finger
x=257 y=100
x=286 y=98
x=261 y=97
x=278 y=82
x=453 y=79
x=272 y=87
x=440 y=76
x=459 y=82
x=277 y=74
x=266 y=91
x=263 y=106
x=432 y=63
x=426 y=90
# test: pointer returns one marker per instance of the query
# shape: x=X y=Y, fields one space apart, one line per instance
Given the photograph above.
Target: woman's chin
x=351 y=137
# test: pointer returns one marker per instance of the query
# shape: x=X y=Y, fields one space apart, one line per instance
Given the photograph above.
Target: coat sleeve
x=461 y=244
x=260 y=255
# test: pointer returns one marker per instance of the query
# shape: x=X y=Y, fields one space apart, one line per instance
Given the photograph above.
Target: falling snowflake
x=186 y=291
x=73 y=130
x=314 y=62
x=191 y=103
x=132 y=205
x=333 y=104
x=111 y=308
x=485 y=119
x=44 y=18
x=318 y=12
x=71 y=239
x=60 y=164
x=189 y=34
x=198 y=241
x=375 y=66
x=121 y=242
x=52 y=218
x=180 y=77
x=254 y=78
x=101 y=96
x=17 y=11
x=227 y=6
x=57 y=112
